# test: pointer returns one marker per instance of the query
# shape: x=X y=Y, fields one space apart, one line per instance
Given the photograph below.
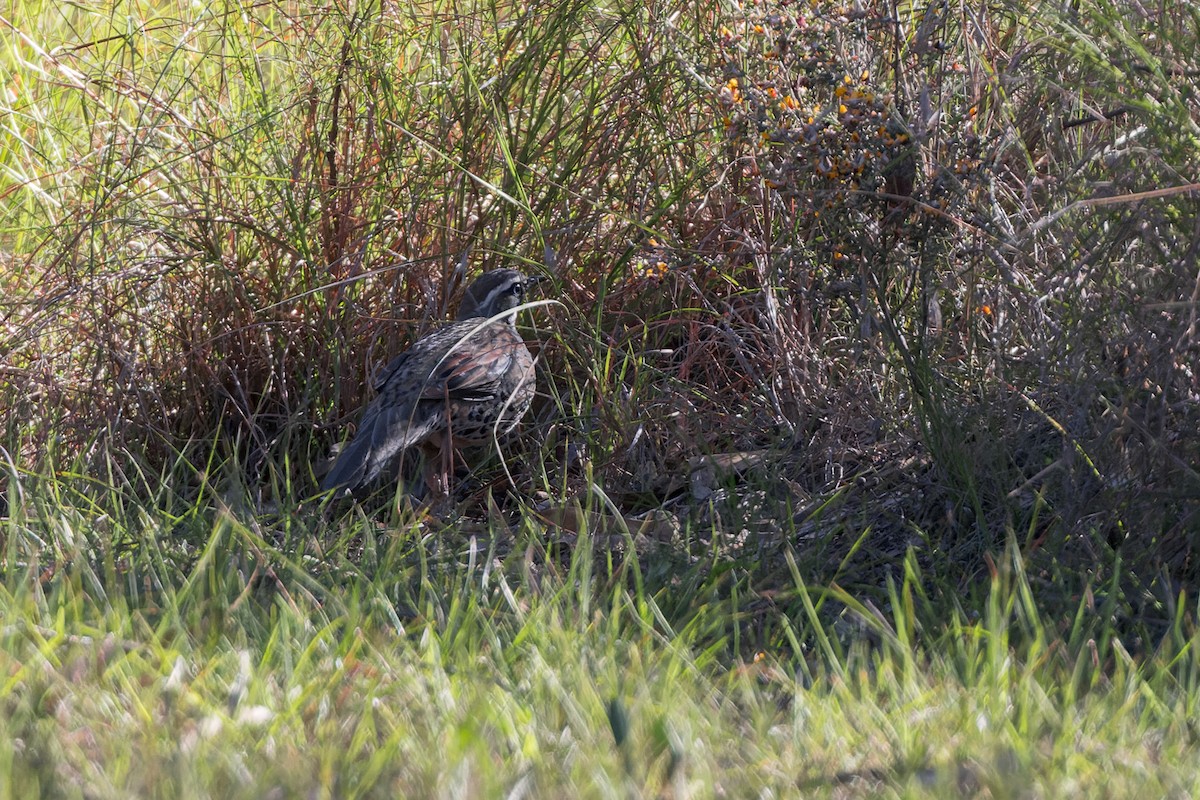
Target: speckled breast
x=477 y=421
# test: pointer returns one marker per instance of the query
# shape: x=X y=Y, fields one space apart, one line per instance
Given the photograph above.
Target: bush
x=936 y=263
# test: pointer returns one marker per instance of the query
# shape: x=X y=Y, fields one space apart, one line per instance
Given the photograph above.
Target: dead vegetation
x=927 y=272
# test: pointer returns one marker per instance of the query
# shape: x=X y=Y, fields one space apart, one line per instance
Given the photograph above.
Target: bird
x=465 y=384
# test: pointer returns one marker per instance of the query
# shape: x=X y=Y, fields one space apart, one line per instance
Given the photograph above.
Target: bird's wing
x=471 y=361
x=395 y=365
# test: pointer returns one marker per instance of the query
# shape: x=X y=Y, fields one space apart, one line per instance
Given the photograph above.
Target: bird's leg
x=434 y=477
x=439 y=464
x=447 y=454
x=447 y=462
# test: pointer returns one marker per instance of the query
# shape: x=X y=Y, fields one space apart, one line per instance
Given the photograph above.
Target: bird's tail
x=382 y=438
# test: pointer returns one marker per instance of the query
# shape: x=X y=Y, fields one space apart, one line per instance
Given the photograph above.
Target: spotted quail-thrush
x=461 y=385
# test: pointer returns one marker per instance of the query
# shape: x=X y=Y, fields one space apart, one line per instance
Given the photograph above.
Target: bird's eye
x=518 y=289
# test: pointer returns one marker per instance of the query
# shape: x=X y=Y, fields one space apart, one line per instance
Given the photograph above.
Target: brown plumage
x=461 y=385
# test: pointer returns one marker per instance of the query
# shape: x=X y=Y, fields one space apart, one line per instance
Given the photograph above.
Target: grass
x=421 y=665
x=864 y=458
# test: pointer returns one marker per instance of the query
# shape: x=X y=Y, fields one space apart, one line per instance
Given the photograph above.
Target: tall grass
x=839 y=234
x=864 y=458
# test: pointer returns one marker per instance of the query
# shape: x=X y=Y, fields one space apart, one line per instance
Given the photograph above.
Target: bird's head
x=495 y=292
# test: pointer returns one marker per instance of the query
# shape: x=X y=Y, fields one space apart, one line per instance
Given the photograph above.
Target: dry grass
x=938 y=267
